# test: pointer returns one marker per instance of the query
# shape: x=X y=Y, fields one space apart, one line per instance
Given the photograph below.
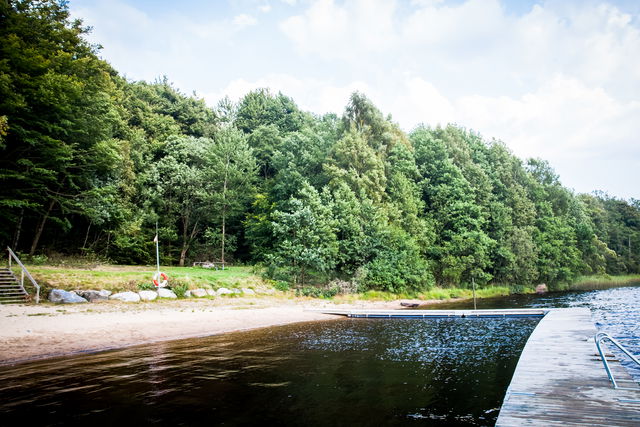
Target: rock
x=199 y=293
x=236 y=291
x=541 y=289
x=248 y=291
x=166 y=293
x=211 y=293
x=92 y=295
x=267 y=291
x=187 y=293
x=126 y=296
x=224 y=291
x=65 y=297
x=148 y=295
x=105 y=293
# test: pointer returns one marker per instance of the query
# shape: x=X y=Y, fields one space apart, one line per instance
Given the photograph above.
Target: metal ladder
x=601 y=336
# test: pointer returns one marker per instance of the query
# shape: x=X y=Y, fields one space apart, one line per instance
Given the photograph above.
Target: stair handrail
x=601 y=336
x=24 y=272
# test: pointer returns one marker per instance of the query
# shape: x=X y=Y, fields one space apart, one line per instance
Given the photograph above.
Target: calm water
x=348 y=371
x=615 y=310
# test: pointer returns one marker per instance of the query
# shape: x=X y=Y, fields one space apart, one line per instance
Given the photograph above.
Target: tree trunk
x=223 y=234
x=86 y=236
x=36 y=238
x=224 y=209
x=186 y=243
x=183 y=254
x=16 y=235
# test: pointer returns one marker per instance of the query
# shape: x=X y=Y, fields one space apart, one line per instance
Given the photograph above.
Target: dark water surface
x=615 y=311
x=343 y=372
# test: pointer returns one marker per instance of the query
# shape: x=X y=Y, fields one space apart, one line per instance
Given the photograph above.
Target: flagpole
x=157 y=250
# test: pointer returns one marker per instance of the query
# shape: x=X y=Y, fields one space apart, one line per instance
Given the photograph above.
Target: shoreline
x=36 y=332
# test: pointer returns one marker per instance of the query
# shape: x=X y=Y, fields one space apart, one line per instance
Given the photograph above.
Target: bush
x=317 y=292
x=146 y=286
x=281 y=285
x=180 y=289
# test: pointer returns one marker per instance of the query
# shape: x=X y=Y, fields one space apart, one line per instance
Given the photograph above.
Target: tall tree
x=231 y=174
x=58 y=113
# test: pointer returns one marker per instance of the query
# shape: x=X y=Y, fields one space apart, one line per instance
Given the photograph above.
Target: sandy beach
x=32 y=332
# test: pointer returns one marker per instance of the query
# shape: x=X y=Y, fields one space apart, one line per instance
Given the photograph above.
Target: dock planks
x=560 y=379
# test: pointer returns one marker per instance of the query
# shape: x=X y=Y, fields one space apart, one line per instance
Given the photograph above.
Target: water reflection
x=351 y=371
x=614 y=310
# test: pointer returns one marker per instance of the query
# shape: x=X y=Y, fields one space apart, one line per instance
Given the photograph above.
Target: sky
x=557 y=80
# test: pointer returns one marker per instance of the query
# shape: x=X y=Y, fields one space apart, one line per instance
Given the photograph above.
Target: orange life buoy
x=157 y=282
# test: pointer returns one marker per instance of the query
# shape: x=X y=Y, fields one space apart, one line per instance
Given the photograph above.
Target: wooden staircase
x=10 y=290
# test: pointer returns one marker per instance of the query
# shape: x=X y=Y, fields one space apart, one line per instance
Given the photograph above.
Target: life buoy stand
x=157 y=282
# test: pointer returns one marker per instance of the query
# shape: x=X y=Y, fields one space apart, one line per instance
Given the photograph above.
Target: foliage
x=92 y=163
x=179 y=288
x=146 y=286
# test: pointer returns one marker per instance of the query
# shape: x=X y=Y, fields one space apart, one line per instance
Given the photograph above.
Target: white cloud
x=243 y=21
x=310 y=94
x=345 y=32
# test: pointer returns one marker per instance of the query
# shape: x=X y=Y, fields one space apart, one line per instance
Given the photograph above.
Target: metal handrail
x=601 y=336
x=24 y=272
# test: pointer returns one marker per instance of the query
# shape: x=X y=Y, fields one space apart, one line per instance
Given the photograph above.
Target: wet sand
x=46 y=330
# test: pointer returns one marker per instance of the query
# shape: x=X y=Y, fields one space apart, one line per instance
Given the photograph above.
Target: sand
x=30 y=332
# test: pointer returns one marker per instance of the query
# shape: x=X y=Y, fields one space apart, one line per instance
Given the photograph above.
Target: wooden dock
x=423 y=314
x=560 y=378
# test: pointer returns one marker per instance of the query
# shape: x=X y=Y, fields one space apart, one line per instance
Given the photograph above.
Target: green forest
x=90 y=162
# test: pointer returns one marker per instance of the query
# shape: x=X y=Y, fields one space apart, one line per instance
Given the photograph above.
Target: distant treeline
x=90 y=162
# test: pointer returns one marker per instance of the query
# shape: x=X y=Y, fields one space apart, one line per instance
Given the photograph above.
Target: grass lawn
x=122 y=277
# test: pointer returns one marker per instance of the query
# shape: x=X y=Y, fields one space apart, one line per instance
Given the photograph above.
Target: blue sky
x=558 y=80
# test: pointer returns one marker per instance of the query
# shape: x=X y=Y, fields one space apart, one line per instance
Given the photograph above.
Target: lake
x=347 y=371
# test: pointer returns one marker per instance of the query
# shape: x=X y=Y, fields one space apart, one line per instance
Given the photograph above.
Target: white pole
x=157 y=251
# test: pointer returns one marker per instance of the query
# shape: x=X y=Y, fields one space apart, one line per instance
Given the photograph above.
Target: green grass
x=604 y=281
x=432 y=294
x=120 y=278
x=447 y=293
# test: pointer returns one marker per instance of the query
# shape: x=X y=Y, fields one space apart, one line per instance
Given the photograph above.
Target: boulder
x=224 y=291
x=105 y=293
x=166 y=293
x=64 y=297
x=541 y=289
x=92 y=295
x=236 y=291
x=211 y=293
x=126 y=296
x=187 y=293
x=199 y=293
x=148 y=295
x=248 y=291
